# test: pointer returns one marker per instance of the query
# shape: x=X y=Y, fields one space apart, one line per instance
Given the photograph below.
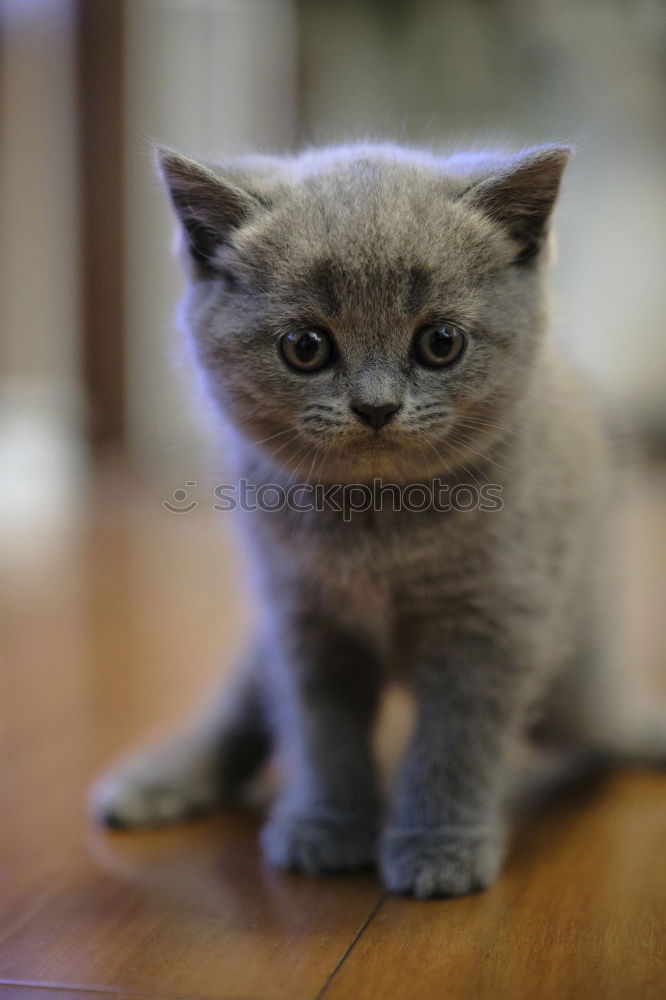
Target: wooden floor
x=115 y=618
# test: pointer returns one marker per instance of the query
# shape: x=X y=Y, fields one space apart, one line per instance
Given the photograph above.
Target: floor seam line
x=352 y=944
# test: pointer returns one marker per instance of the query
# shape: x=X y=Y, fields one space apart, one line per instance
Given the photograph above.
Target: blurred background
x=89 y=357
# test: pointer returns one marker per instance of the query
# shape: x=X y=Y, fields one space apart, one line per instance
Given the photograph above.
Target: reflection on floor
x=113 y=627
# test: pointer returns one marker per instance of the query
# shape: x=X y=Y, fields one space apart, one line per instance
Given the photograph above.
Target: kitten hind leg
x=195 y=770
x=597 y=706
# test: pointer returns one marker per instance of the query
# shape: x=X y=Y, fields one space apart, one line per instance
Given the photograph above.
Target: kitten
x=374 y=313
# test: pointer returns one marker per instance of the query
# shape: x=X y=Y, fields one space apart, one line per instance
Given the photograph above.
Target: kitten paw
x=315 y=843
x=140 y=794
x=430 y=864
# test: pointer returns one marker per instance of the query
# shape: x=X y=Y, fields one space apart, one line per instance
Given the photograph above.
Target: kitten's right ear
x=208 y=207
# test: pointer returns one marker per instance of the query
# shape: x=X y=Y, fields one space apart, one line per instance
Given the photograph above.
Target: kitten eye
x=307 y=350
x=438 y=346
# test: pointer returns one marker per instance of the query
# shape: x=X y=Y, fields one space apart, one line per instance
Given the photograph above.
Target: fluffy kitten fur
x=493 y=619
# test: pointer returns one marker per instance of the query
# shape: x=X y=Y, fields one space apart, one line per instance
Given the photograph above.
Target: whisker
x=498 y=445
x=483 y=423
x=425 y=459
x=269 y=458
x=486 y=458
x=461 y=464
x=299 y=514
x=272 y=436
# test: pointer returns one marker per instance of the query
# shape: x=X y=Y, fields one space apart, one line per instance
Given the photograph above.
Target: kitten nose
x=375 y=416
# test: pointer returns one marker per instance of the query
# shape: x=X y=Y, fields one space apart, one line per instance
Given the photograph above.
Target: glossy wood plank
x=113 y=625
x=24 y=991
x=114 y=629
x=578 y=912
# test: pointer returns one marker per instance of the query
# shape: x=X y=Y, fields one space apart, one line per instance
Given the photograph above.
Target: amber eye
x=307 y=350
x=438 y=346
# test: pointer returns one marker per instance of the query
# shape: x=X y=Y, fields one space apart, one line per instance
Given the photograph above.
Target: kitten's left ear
x=521 y=194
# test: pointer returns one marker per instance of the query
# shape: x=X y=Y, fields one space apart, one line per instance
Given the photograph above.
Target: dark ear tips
x=178 y=171
x=558 y=154
x=162 y=155
x=208 y=207
x=521 y=194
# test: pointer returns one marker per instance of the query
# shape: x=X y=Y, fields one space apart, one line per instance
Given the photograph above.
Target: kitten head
x=366 y=311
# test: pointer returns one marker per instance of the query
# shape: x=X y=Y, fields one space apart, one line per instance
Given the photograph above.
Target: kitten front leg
x=325 y=697
x=196 y=769
x=446 y=833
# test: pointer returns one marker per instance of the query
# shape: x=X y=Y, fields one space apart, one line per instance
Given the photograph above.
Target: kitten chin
x=359 y=465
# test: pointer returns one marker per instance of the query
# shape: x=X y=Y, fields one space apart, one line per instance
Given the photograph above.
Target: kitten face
x=349 y=289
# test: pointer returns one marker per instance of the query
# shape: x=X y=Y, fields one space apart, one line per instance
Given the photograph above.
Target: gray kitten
x=374 y=313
